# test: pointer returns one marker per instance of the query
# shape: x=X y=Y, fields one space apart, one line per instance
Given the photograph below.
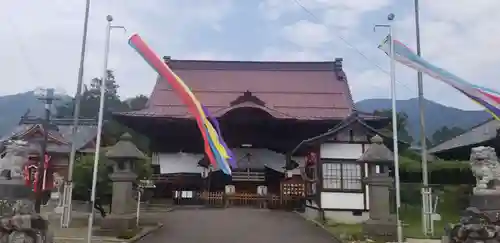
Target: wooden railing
x=248 y=176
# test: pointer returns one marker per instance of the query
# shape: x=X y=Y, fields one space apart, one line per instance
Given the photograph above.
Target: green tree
x=89 y=108
x=445 y=133
x=89 y=103
x=402 y=123
x=138 y=103
x=83 y=173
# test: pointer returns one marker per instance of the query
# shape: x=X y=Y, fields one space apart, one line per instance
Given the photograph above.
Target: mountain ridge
x=436 y=115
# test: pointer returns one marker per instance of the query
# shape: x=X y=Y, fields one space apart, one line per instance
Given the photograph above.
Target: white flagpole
x=99 y=129
x=395 y=135
x=390 y=17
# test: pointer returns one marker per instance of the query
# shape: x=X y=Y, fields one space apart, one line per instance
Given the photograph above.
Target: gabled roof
x=355 y=117
x=296 y=90
x=60 y=133
x=480 y=133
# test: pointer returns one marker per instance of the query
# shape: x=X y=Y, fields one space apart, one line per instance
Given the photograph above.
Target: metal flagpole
x=395 y=132
x=390 y=17
x=100 y=122
x=427 y=226
x=109 y=18
x=68 y=187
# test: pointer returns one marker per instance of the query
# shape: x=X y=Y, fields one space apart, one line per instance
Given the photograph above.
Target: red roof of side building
x=295 y=90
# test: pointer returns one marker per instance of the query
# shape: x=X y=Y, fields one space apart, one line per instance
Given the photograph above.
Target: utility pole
x=48 y=97
x=68 y=185
x=427 y=223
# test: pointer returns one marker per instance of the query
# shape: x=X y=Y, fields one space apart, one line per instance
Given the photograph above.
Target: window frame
x=343 y=162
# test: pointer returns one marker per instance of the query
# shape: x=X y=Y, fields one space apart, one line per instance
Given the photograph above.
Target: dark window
x=342 y=176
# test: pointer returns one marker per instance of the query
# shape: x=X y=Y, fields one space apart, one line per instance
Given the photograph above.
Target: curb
x=318 y=224
x=131 y=240
x=144 y=233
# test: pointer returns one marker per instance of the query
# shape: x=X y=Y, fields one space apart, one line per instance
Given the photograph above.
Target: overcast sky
x=40 y=40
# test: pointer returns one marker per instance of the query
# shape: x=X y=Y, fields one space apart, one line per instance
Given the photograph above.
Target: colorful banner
x=215 y=148
x=488 y=98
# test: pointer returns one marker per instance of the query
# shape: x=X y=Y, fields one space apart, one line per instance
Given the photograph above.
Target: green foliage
x=138 y=102
x=445 y=133
x=402 y=122
x=414 y=164
x=83 y=173
x=453 y=199
x=89 y=108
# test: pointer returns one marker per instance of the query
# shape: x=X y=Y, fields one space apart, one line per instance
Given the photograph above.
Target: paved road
x=237 y=225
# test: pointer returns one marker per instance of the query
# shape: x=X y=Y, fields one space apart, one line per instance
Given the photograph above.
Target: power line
x=312 y=15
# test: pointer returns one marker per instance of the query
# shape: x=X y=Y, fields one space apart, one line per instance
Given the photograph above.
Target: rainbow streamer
x=215 y=147
x=488 y=98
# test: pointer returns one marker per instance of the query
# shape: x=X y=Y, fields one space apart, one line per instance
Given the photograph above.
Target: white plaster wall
x=346 y=217
x=342 y=200
x=179 y=163
x=341 y=151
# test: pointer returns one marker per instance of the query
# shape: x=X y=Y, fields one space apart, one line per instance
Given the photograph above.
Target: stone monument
x=382 y=223
x=486 y=168
x=125 y=156
x=19 y=223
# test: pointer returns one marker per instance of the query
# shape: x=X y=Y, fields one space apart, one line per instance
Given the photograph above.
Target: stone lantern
x=125 y=155
x=381 y=224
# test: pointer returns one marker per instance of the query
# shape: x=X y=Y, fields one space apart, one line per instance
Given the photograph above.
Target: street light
x=109 y=27
x=391 y=39
x=47 y=95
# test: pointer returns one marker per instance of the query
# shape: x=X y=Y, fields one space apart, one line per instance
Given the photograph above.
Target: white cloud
x=279 y=54
x=461 y=36
x=307 y=34
x=41 y=41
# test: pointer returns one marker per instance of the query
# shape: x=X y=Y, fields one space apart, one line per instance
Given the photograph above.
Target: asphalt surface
x=236 y=225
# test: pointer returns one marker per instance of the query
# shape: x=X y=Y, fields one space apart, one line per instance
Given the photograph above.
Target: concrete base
x=78 y=219
x=342 y=217
x=381 y=229
x=119 y=223
x=488 y=204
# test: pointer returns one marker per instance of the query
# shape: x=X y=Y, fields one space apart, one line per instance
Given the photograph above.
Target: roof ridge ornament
x=247 y=97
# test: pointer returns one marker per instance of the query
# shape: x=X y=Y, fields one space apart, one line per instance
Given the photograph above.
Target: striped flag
x=486 y=97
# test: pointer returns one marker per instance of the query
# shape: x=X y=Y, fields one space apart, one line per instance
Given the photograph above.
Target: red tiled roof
x=297 y=90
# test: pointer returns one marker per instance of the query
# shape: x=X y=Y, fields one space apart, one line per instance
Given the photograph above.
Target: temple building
x=335 y=178
x=31 y=131
x=265 y=109
x=459 y=147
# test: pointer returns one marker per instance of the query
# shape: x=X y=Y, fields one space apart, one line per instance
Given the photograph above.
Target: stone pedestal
x=123 y=215
x=119 y=222
x=382 y=224
x=487 y=203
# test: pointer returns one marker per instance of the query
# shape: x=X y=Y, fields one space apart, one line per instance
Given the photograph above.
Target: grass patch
x=346 y=232
x=412 y=219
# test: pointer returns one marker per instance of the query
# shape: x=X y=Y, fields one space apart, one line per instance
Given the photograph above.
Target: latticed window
x=342 y=176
